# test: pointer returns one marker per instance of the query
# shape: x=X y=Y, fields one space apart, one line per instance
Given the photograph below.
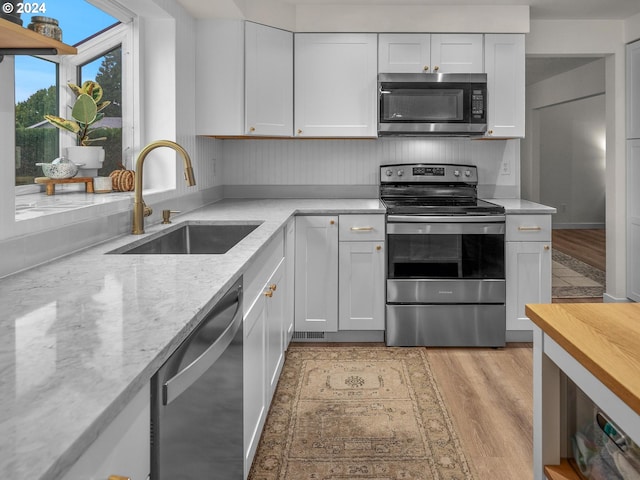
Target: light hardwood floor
x=489 y=394
x=587 y=245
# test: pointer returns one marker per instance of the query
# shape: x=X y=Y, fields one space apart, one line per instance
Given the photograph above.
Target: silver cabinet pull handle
x=529 y=229
x=362 y=229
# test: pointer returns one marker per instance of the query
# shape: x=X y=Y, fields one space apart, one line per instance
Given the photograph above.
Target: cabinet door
x=254 y=384
x=123 y=448
x=528 y=280
x=457 y=53
x=316 y=274
x=275 y=294
x=633 y=90
x=361 y=299
x=505 y=67
x=633 y=220
x=336 y=85
x=268 y=80
x=404 y=52
x=290 y=249
x=220 y=73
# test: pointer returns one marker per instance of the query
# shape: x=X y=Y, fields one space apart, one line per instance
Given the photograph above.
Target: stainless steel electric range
x=445 y=260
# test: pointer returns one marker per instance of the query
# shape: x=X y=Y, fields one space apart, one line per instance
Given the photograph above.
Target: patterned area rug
x=358 y=413
x=574 y=278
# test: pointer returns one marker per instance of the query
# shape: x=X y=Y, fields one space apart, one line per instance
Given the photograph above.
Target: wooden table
x=52 y=182
x=597 y=346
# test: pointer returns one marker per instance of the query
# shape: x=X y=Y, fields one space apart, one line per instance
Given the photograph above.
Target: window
x=41 y=88
x=36 y=95
x=107 y=71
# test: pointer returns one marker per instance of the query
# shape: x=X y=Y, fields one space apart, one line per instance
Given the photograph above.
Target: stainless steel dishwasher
x=196 y=400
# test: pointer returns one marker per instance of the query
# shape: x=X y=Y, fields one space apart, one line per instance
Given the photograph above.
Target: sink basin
x=192 y=238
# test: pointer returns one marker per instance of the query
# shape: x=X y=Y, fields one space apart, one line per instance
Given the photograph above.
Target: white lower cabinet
x=528 y=266
x=123 y=448
x=263 y=346
x=633 y=220
x=316 y=274
x=361 y=277
x=339 y=273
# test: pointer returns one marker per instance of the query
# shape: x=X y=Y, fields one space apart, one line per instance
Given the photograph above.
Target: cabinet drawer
x=528 y=228
x=261 y=268
x=361 y=228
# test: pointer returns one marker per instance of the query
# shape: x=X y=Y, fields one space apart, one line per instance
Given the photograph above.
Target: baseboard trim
x=349 y=336
x=519 y=336
x=578 y=226
x=606 y=298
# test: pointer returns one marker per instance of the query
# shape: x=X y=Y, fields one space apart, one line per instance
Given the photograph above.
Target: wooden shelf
x=13 y=35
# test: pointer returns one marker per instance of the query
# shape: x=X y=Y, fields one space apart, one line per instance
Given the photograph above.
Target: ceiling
x=540 y=9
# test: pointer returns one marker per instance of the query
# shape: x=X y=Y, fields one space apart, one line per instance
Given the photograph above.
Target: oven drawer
x=445 y=291
x=528 y=228
x=446 y=325
x=360 y=228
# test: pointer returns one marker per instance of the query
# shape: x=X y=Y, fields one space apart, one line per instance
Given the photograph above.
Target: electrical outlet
x=505 y=169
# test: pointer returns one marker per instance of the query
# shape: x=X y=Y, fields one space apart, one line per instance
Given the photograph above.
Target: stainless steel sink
x=192 y=238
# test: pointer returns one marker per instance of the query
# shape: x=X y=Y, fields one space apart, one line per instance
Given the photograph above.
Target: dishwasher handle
x=186 y=377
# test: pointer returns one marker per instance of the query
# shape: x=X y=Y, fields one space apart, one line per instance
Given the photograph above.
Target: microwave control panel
x=477 y=103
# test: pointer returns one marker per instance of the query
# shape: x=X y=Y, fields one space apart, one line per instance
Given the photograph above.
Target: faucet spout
x=140 y=210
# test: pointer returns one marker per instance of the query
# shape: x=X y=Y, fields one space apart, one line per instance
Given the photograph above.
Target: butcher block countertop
x=603 y=338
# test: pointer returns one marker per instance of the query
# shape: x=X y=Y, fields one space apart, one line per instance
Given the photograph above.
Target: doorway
x=566 y=150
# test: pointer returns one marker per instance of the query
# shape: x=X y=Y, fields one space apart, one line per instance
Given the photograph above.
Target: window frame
x=69 y=72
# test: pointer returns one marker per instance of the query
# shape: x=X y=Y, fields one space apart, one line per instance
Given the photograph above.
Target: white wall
x=325 y=168
x=572 y=162
x=607 y=38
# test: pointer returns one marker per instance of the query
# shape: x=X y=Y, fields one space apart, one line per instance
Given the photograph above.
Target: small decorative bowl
x=59 y=168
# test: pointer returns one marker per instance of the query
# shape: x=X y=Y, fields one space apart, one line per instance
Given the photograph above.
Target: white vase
x=90 y=159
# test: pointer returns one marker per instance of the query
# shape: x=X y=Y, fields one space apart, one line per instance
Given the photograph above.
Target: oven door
x=446 y=260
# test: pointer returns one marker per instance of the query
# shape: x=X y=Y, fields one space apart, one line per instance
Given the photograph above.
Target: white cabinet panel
x=255 y=382
x=505 y=67
x=123 y=448
x=269 y=80
x=404 y=52
x=274 y=298
x=633 y=90
x=633 y=220
x=361 y=281
x=528 y=280
x=424 y=52
x=289 y=282
x=335 y=85
x=246 y=70
x=457 y=53
x=316 y=274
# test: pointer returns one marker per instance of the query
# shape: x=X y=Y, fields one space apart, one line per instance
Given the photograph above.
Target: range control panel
x=428 y=173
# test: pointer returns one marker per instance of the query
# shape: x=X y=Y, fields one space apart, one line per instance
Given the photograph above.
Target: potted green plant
x=86 y=112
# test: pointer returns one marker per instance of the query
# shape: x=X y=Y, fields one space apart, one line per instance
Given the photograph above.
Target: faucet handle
x=146 y=211
x=166 y=215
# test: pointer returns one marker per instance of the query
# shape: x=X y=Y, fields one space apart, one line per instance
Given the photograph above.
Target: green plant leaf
x=69 y=125
x=84 y=110
x=103 y=105
x=91 y=140
x=75 y=89
x=93 y=89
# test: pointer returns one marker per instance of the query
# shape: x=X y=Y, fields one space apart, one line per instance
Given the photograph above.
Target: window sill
x=36 y=205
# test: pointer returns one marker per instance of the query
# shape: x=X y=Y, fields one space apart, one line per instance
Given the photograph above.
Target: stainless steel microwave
x=432 y=104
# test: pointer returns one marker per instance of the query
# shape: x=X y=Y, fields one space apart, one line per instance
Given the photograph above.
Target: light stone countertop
x=81 y=335
x=520 y=206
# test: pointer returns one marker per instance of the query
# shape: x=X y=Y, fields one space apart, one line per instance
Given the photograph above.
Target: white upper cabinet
x=633 y=90
x=244 y=72
x=505 y=67
x=336 y=85
x=430 y=53
x=269 y=81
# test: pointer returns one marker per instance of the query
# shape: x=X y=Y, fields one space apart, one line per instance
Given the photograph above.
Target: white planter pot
x=91 y=159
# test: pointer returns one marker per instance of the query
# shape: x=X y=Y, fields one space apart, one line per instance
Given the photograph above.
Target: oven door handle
x=446 y=219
